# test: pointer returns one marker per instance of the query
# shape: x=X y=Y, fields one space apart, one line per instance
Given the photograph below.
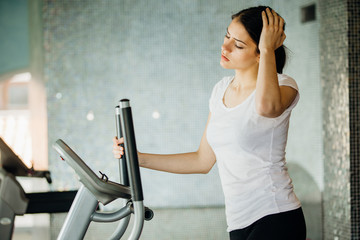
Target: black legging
x=281 y=226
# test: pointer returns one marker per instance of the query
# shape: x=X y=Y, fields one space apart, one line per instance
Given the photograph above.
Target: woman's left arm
x=271 y=99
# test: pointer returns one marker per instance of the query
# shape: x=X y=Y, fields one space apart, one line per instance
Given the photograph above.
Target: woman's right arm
x=200 y=161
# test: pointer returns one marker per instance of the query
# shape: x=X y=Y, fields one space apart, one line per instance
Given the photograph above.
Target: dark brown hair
x=251 y=19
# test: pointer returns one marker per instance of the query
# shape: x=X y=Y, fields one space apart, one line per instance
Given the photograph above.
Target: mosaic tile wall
x=340 y=79
x=163 y=56
x=353 y=10
x=98 y=52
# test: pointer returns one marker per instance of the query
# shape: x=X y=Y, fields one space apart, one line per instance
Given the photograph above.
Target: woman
x=246 y=132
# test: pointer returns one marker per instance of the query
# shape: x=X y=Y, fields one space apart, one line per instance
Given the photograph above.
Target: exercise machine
x=14 y=201
x=82 y=205
x=96 y=189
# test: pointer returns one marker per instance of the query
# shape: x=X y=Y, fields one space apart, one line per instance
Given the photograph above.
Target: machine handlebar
x=105 y=191
x=100 y=189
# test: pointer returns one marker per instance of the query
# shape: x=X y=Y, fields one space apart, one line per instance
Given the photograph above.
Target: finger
x=264 y=19
x=118 y=154
x=118 y=148
x=281 y=24
x=115 y=140
x=270 y=17
x=118 y=141
x=276 y=20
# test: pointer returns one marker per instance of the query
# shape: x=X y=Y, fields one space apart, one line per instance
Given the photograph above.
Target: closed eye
x=228 y=37
x=237 y=40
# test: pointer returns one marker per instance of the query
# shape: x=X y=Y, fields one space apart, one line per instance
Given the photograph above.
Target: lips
x=224 y=58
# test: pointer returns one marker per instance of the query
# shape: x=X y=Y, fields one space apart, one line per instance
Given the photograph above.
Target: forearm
x=268 y=96
x=182 y=163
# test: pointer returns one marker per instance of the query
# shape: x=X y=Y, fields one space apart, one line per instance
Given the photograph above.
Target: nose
x=225 y=47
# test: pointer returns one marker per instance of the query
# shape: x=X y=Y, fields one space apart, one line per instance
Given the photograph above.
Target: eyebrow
x=238 y=40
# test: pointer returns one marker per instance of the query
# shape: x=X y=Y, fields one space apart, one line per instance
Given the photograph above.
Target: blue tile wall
x=164 y=57
x=340 y=79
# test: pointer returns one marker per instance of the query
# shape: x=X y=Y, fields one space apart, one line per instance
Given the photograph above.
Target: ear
x=257 y=52
x=258 y=57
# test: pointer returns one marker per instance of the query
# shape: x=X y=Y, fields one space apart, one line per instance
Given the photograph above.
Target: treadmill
x=15 y=201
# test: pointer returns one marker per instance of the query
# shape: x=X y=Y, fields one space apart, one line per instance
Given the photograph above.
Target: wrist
x=266 y=50
x=140 y=159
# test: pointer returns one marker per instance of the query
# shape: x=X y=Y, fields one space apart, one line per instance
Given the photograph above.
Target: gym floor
x=181 y=223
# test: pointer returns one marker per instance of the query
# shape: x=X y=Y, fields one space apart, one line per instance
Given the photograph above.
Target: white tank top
x=250 y=153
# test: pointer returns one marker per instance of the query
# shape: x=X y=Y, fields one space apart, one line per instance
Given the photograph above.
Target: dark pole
x=124 y=177
x=127 y=127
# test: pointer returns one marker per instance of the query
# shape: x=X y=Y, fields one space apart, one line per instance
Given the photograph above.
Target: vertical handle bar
x=124 y=178
x=133 y=168
x=130 y=150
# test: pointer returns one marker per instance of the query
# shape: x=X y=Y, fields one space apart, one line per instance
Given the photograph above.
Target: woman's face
x=238 y=50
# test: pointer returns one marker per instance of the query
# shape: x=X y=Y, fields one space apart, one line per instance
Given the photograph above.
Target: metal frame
x=95 y=189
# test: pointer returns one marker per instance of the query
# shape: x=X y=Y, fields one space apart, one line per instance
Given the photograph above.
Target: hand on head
x=272 y=34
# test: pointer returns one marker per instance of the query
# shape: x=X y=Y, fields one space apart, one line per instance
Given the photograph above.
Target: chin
x=225 y=66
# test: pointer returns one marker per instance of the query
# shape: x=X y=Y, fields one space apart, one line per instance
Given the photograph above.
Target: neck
x=245 y=79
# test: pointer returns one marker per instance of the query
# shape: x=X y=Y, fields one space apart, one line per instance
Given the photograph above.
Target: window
x=17 y=123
